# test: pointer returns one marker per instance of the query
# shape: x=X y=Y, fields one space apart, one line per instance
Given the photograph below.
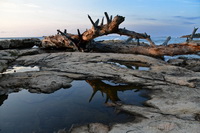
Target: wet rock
x=29 y=52
x=176 y=62
x=3 y=65
x=188 y=63
x=197 y=117
x=35 y=82
x=5 y=44
x=91 y=128
x=7 y=56
x=98 y=128
x=20 y=44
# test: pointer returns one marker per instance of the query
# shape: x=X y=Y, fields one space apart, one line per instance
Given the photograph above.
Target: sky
x=35 y=18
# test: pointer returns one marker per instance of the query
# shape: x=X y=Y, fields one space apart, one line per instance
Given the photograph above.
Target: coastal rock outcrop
x=174 y=90
x=8 y=56
x=19 y=43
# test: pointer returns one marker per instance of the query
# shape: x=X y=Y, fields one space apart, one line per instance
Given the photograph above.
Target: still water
x=84 y=102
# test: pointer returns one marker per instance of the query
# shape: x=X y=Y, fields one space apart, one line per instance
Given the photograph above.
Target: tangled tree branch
x=112 y=26
x=80 y=41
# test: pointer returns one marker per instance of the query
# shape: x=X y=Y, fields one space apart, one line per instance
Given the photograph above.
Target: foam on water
x=17 y=69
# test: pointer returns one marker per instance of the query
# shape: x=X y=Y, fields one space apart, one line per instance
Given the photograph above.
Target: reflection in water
x=3 y=98
x=46 y=113
x=131 y=65
x=110 y=90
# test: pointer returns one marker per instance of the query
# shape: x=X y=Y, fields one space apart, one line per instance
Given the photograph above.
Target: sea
x=157 y=40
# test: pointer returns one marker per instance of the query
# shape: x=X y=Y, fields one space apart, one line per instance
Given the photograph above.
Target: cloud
x=188 y=22
x=3 y=32
x=150 y=19
x=31 y=5
x=187 y=18
x=153 y=19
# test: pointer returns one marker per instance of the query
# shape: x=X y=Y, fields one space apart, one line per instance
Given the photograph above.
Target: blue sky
x=43 y=17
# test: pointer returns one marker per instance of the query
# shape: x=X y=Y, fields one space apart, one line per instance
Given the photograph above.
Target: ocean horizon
x=157 y=40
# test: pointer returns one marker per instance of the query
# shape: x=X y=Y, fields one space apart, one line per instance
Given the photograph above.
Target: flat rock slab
x=173 y=107
x=192 y=64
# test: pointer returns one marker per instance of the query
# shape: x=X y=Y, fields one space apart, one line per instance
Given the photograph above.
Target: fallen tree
x=84 y=41
x=161 y=50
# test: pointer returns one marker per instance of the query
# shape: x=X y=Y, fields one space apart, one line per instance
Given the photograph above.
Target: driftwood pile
x=84 y=41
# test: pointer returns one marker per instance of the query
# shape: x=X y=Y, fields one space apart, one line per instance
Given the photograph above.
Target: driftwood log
x=161 y=50
x=84 y=41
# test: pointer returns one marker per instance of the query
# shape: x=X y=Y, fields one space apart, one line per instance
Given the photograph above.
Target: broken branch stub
x=193 y=33
x=91 y=21
x=166 y=41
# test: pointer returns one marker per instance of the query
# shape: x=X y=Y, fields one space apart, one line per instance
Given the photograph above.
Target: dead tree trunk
x=158 y=51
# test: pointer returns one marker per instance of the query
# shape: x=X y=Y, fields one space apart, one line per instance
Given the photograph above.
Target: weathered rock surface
x=160 y=124
x=191 y=64
x=35 y=82
x=173 y=107
x=91 y=128
x=97 y=65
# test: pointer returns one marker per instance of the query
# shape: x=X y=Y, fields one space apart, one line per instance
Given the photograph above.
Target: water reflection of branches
x=3 y=98
x=110 y=91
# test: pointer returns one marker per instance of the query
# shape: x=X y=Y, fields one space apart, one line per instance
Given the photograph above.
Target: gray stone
x=162 y=124
x=5 y=44
x=35 y=82
x=3 y=65
x=19 y=43
x=191 y=64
